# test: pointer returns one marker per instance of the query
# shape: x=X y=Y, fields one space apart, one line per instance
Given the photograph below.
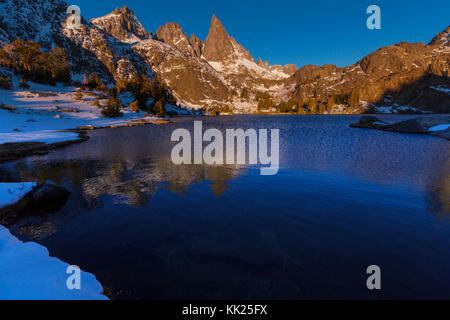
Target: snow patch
x=11 y=193
x=440 y=127
x=29 y=273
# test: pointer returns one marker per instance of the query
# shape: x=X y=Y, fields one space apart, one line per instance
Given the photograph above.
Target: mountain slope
x=399 y=75
x=221 y=73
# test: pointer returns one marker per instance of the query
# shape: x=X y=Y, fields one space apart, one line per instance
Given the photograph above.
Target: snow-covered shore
x=39 y=113
x=27 y=272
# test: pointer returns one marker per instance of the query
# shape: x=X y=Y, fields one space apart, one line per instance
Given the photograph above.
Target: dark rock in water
x=40 y=153
x=369 y=122
x=43 y=199
x=48 y=193
x=420 y=125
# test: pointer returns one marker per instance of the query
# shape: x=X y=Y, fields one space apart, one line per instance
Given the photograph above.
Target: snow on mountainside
x=32 y=20
x=219 y=72
x=227 y=56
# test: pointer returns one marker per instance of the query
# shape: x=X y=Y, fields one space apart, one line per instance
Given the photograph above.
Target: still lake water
x=344 y=199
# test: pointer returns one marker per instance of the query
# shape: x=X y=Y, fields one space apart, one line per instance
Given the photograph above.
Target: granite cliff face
x=219 y=72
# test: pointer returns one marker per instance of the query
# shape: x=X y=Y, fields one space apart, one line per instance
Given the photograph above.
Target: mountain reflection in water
x=344 y=199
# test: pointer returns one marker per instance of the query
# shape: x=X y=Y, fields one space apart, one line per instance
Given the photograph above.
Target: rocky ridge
x=219 y=72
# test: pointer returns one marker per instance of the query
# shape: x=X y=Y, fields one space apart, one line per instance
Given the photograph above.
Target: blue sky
x=301 y=32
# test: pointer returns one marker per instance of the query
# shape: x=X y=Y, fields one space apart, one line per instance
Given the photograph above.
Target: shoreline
x=28 y=270
x=17 y=150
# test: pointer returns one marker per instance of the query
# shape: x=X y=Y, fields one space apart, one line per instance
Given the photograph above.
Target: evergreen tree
x=159 y=108
x=96 y=103
x=23 y=84
x=322 y=108
x=312 y=106
x=330 y=102
x=134 y=106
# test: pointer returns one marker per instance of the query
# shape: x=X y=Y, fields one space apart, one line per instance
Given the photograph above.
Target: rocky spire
x=219 y=46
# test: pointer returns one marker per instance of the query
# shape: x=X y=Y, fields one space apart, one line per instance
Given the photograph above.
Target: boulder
x=419 y=125
x=44 y=199
x=50 y=193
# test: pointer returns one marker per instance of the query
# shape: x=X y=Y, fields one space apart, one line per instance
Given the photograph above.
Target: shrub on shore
x=6 y=83
x=112 y=108
x=96 y=103
x=134 y=106
x=78 y=95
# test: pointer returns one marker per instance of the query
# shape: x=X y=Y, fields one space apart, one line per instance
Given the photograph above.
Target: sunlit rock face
x=123 y=25
x=214 y=73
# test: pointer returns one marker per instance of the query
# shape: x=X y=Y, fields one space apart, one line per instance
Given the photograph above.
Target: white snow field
x=36 y=114
x=27 y=272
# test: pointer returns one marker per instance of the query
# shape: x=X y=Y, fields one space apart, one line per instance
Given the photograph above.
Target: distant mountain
x=219 y=72
x=402 y=75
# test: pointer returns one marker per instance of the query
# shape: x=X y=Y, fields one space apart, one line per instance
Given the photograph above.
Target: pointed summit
x=216 y=24
x=219 y=46
x=123 y=25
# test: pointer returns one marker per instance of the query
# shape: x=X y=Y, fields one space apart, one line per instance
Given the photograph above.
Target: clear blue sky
x=300 y=32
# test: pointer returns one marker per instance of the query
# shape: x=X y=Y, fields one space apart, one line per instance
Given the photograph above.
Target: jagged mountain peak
x=124 y=10
x=220 y=47
x=123 y=25
x=173 y=35
x=217 y=24
x=226 y=55
x=442 y=38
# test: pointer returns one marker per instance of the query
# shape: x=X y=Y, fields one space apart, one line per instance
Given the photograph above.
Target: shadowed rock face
x=197 y=45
